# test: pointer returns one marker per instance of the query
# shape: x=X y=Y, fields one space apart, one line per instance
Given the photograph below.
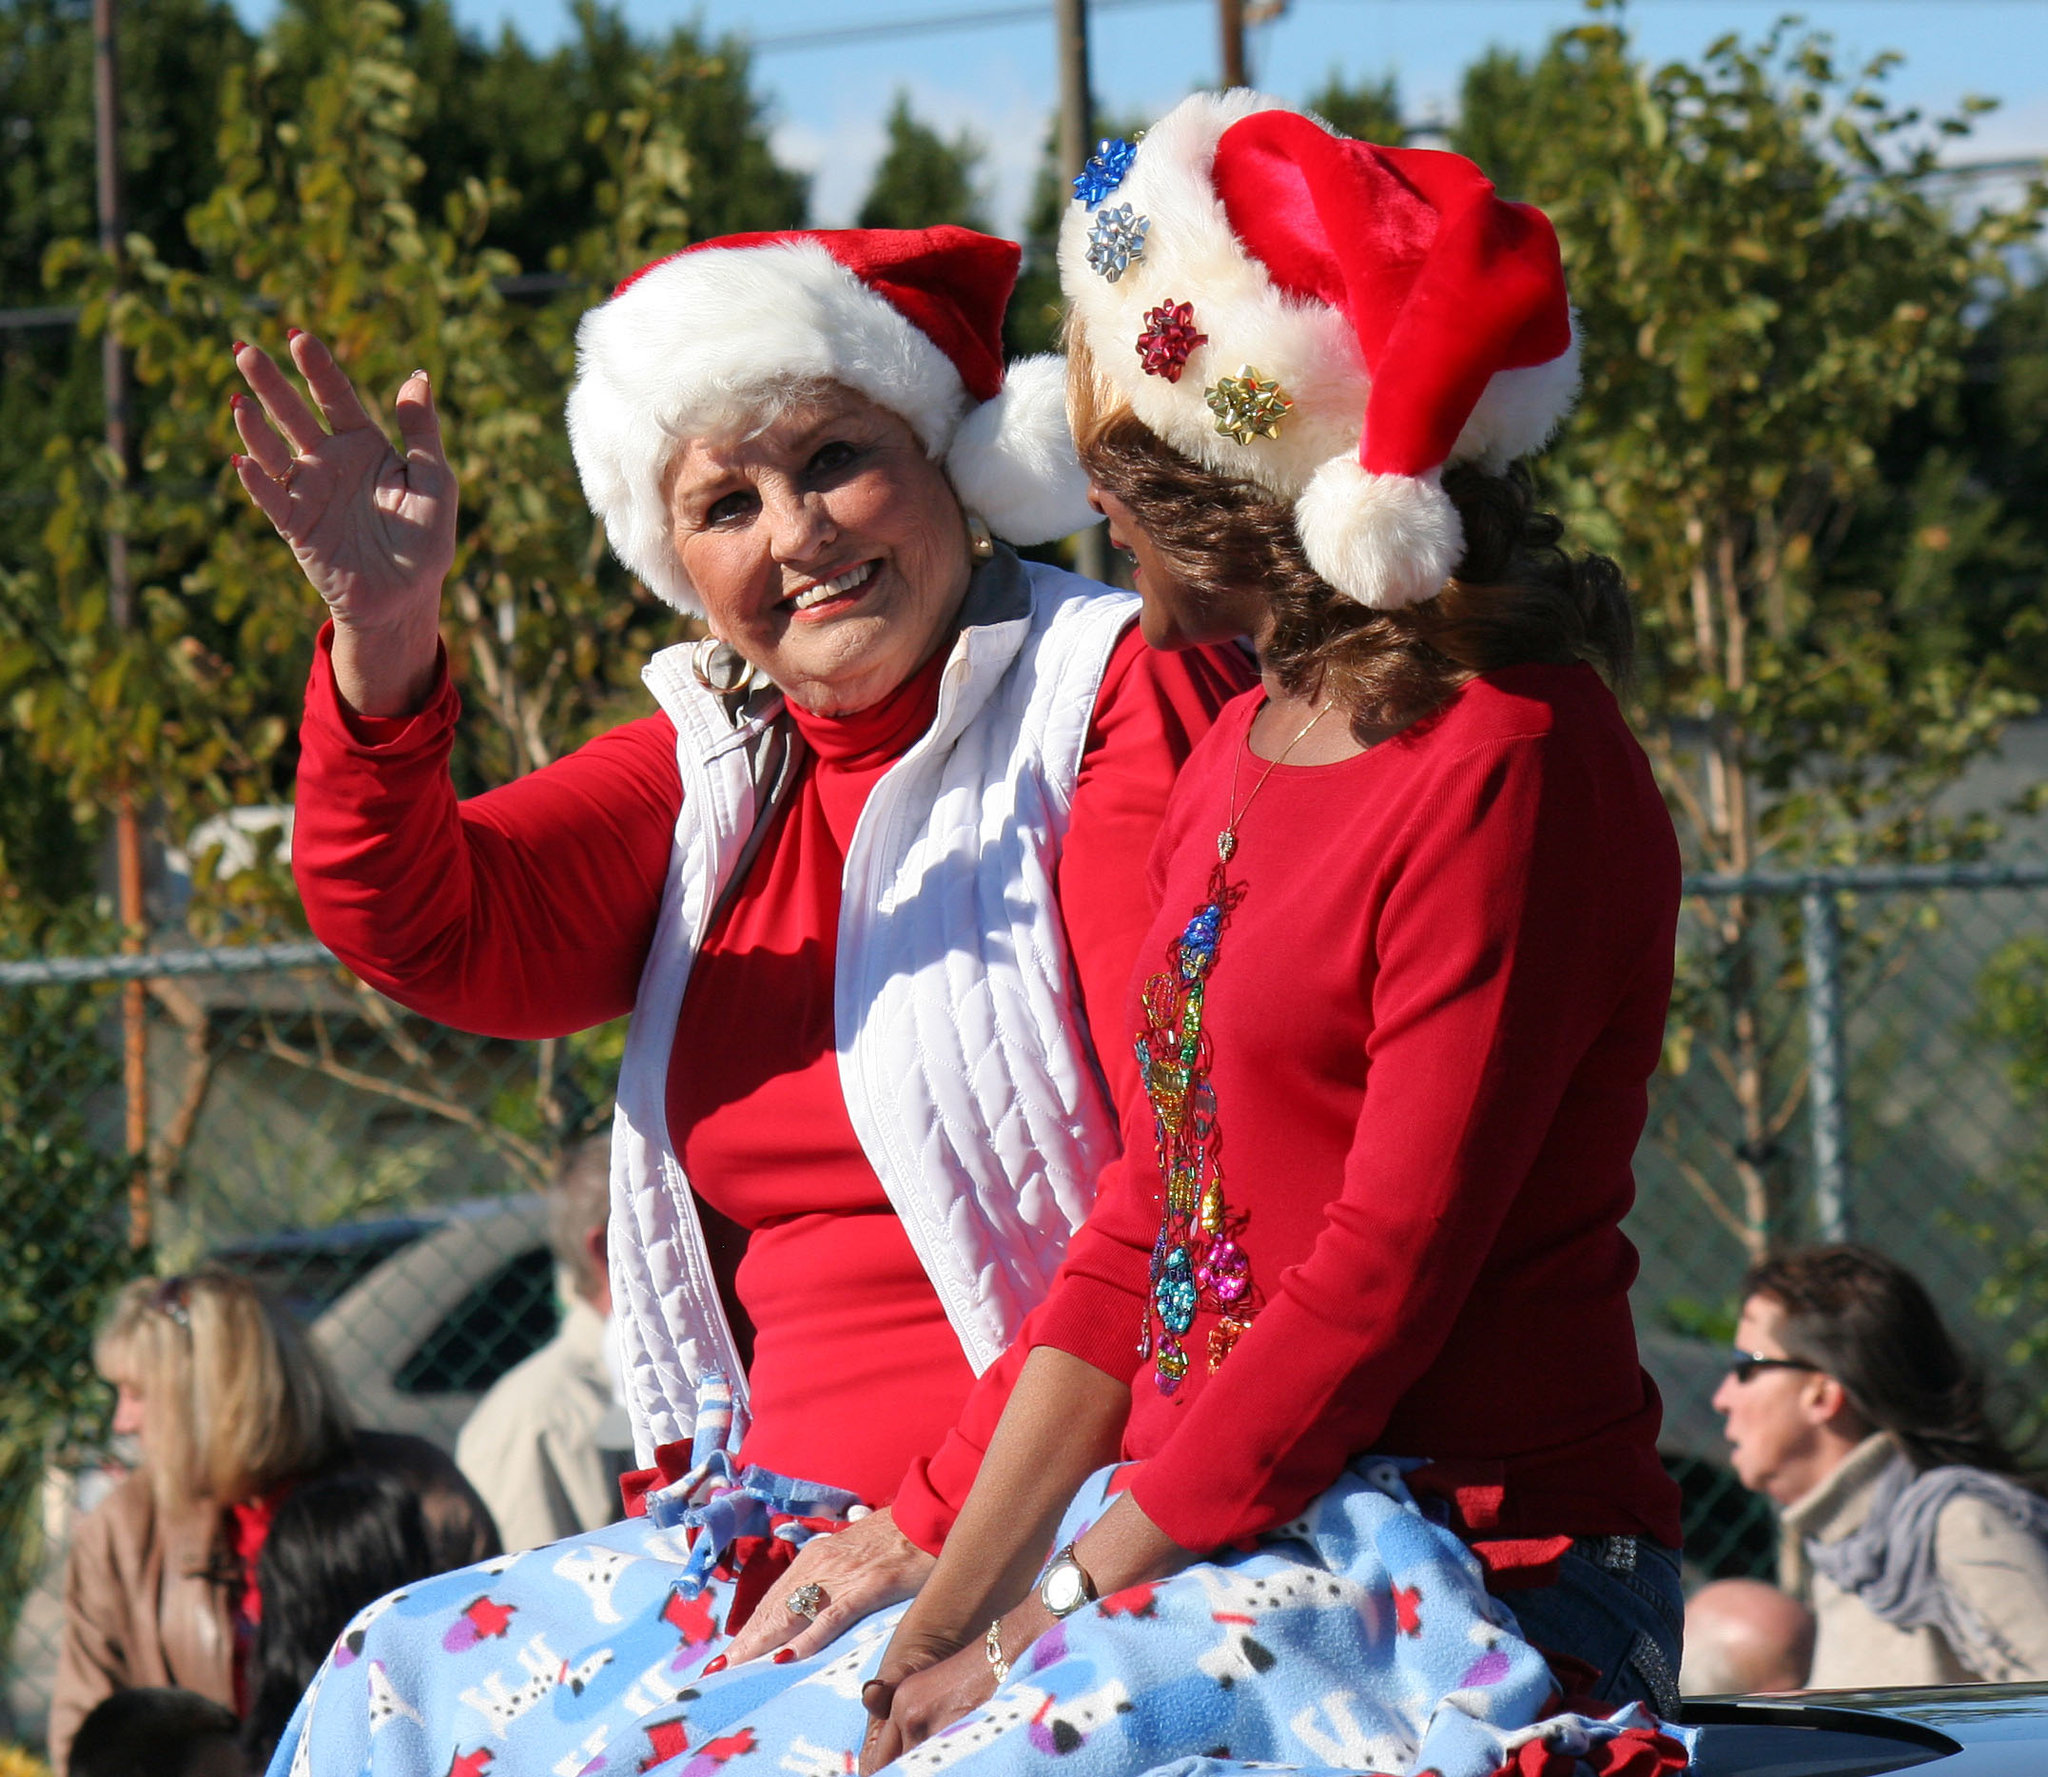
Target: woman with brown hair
x=232 y=1408
x=1414 y=902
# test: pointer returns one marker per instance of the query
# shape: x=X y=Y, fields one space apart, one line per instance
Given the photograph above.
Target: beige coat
x=547 y=1445
x=1986 y=1560
x=142 y=1605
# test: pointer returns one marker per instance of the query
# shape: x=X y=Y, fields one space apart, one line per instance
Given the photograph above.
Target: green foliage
x=1998 y=441
x=315 y=221
x=1767 y=282
x=1769 y=287
x=174 y=56
x=63 y=1201
x=1370 y=111
x=2013 y=1014
x=923 y=179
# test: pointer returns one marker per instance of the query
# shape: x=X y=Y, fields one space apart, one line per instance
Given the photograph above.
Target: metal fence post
x=1827 y=1060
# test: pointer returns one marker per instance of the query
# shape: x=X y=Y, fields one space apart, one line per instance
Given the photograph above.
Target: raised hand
x=373 y=530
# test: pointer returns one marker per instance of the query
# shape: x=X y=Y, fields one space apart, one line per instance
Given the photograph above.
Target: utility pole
x=106 y=105
x=1230 y=23
x=1076 y=142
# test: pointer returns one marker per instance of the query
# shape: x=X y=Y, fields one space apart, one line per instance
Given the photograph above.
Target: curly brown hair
x=1517 y=596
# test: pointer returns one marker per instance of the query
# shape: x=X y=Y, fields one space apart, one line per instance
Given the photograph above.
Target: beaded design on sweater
x=1196 y=1260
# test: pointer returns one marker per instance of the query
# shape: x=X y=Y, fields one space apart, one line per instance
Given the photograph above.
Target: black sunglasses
x=1742 y=1365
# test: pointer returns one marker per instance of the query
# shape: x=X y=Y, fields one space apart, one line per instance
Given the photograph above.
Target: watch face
x=1066 y=1590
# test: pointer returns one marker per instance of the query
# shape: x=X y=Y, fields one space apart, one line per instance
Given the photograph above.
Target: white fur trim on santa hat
x=1013 y=459
x=1384 y=540
x=1521 y=410
x=683 y=347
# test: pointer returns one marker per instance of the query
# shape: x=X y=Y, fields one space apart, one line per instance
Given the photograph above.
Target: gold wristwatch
x=1065 y=1586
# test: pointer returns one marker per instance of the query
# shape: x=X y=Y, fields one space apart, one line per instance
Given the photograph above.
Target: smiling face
x=827 y=548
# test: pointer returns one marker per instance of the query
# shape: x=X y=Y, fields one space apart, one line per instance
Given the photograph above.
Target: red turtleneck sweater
x=852 y=1360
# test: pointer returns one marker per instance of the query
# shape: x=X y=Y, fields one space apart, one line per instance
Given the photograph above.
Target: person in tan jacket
x=232 y=1408
x=547 y=1445
x=1905 y=1525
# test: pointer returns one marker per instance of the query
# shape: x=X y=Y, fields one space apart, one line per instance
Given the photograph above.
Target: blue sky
x=999 y=81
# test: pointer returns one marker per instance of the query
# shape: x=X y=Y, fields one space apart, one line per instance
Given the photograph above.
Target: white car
x=418 y=1314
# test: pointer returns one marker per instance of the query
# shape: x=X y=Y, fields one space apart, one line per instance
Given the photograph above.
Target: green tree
x=922 y=179
x=314 y=221
x=2013 y=1016
x=1998 y=443
x=1369 y=111
x=174 y=57
x=1768 y=285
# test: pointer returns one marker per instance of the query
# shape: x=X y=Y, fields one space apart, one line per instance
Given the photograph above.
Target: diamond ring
x=807 y=1601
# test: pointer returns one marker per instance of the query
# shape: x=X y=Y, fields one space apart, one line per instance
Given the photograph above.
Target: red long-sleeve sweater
x=1434 y=1014
x=527 y=912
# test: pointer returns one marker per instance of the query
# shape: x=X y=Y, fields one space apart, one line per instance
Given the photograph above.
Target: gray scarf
x=1888 y=1562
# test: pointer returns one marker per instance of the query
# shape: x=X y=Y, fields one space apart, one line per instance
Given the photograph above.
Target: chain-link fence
x=1844 y=1057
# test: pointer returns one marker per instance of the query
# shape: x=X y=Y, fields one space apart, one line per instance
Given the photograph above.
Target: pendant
x=1226 y=845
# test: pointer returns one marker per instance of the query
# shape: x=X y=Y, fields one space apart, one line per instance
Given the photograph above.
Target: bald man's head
x=1743 y=1638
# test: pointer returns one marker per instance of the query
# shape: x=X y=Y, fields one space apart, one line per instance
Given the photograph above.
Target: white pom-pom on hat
x=1384 y=540
x=1013 y=461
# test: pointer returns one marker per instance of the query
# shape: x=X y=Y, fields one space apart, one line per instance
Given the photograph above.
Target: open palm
x=374 y=530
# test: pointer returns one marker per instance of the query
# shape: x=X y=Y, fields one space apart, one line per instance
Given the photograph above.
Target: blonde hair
x=236 y=1397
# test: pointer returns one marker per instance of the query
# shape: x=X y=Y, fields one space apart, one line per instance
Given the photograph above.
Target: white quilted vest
x=967 y=1074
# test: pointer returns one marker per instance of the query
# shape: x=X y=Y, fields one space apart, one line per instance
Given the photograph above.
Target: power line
x=923 y=24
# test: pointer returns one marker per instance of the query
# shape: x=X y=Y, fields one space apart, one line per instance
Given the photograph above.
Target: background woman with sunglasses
x=1906 y=1524
x=232 y=1409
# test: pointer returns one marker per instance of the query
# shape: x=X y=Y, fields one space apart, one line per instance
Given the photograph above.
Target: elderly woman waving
x=860 y=881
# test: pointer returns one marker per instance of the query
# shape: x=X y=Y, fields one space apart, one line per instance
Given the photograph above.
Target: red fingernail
x=293 y=332
x=783 y=1655
x=235 y=400
x=241 y=346
x=235 y=461
x=711 y=1666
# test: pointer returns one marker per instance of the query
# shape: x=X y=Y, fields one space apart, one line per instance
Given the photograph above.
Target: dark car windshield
x=309 y=1269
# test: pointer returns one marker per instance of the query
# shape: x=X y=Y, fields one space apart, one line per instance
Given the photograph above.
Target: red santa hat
x=910 y=318
x=1331 y=321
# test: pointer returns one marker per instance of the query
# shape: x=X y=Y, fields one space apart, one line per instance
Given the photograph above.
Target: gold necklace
x=1226 y=841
